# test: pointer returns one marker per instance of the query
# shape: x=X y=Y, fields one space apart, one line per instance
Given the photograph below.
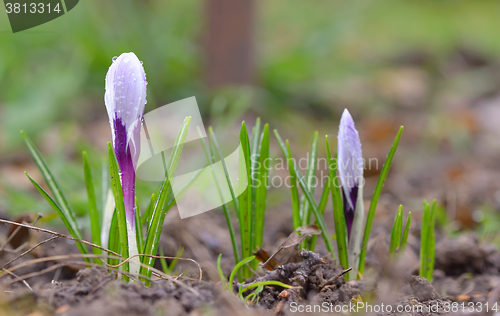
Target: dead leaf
x=290 y=247
x=309 y=230
x=263 y=256
x=22 y=235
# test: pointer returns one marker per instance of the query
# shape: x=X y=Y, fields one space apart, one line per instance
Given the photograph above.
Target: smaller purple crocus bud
x=125 y=99
x=350 y=166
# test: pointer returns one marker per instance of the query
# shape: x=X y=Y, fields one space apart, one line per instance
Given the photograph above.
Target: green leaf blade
x=424 y=235
x=237 y=267
x=261 y=187
x=120 y=207
x=211 y=160
x=95 y=226
x=374 y=201
x=322 y=207
x=160 y=209
x=55 y=206
x=309 y=196
x=310 y=173
x=294 y=191
x=396 y=232
x=404 y=240
x=431 y=243
x=245 y=200
x=59 y=197
x=338 y=210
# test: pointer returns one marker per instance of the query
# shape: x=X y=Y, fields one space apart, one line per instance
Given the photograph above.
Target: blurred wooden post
x=229 y=55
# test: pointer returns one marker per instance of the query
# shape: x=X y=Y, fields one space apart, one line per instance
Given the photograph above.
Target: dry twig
x=43 y=230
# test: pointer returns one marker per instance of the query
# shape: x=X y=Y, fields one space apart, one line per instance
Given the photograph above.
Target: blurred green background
x=430 y=65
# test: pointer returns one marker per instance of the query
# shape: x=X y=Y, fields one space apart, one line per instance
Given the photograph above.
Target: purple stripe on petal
x=127 y=170
x=348 y=211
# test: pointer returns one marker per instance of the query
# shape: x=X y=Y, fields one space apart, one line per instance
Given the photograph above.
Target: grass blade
x=55 y=206
x=245 y=200
x=221 y=274
x=114 y=238
x=338 y=210
x=404 y=240
x=252 y=285
x=59 y=198
x=138 y=228
x=95 y=226
x=163 y=261
x=322 y=207
x=424 y=235
x=309 y=196
x=104 y=187
x=153 y=234
x=374 y=201
x=254 y=161
x=215 y=144
x=147 y=214
x=431 y=244
x=310 y=173
x=182 y=189
x=261 y=188
x=293 y=181
x=237 y=267
x=294 y=191
x=254 y=150
x=159 y=210
x=229 y=222
x=396 y=232
x=174 y=262
x=120 y=207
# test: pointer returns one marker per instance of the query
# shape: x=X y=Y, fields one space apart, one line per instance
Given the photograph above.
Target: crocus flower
x=350 y=166
x=125 y=99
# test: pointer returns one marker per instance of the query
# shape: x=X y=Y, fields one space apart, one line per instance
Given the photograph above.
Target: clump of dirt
x=466 y=254
x=310 y=276
x=423 y=289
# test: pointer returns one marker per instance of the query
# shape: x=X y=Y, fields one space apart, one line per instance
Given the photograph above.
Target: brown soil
x=467 y=271
x=96 y=292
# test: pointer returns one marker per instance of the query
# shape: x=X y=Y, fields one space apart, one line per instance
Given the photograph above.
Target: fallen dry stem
x=159 y=257
x=46 y=270
x=24 y=281
x=14 y=233
x=85 y=264
x=29 y=250
x=110 y=267
x=53 y=258
x=43 y=230
x=331 y=280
